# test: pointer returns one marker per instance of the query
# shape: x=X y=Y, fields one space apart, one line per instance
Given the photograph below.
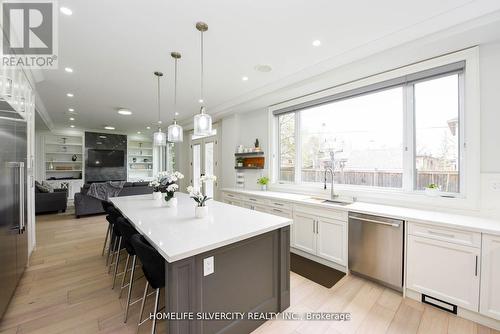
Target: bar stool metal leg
x=157 y=301
x=117 y=260
x=124 y=274
x=129 y=293
x=142 y=307
x=106 y=239
x=110 y=244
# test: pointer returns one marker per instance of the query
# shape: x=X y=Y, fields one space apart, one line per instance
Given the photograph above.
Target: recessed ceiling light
x=148 y=127
x=138 y=132
x=244 y=78
x=68 y=69
x=66 y=11
x=200 y=100
x=176 y=113
x=71 y=126
x=124 y=112
x=71 y=118
x=70 y=95
x=71 y=110
x=316 y=42
x=107 y=127
x=263 y=68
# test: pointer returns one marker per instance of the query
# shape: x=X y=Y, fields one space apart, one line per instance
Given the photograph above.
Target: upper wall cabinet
x=490 y=277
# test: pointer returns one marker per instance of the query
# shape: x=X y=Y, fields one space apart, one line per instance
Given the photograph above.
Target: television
x=106 y=158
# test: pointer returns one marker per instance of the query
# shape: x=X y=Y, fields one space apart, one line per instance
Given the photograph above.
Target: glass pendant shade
x=202 y=124
x=175 y=133
x=159 y=138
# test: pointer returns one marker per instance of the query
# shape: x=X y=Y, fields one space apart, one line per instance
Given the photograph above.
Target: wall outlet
x=208 y=266
x=495 y=185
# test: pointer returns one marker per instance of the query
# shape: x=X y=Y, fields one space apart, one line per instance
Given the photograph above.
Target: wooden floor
x=67 y=290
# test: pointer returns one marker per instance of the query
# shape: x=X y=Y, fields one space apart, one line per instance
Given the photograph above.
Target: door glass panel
x=209 y=168
x=196 y=166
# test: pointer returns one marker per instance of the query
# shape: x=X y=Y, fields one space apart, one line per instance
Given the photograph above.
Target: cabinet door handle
x=279 y=204
x=253 y=199
x=314 y=226
x=441 y=234
x=476 y=266
x=277 y=210
x=317 y=226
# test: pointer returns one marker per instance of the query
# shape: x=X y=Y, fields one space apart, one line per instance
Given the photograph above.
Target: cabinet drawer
x=280 y=204
x=255 y=200
x=231 y=196
x=280 y=212
x=320 y=212
x=460 y=237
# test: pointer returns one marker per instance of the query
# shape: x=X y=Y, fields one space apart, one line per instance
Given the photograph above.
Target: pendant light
x=175 y=133
x=202 y=121
x=159 y=137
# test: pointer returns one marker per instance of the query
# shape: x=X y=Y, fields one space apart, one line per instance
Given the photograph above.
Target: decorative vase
x=74 y=157
x=432 y=192
x=263 y=187
x=201 y=211
x=156 y=195
x=172 y=203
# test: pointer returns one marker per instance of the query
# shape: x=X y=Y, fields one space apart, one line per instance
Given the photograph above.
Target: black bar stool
x=127 y=231
x=153 y=266
x=112 y=214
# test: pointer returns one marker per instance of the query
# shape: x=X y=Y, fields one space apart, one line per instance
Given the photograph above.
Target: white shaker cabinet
x=490 y=277
x=444 y=270
x=304 y=230
x=332 y=240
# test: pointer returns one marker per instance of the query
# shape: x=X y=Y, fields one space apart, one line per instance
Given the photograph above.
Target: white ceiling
x=115 y=45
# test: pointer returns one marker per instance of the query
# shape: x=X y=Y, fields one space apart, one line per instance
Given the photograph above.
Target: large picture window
x=400 y=134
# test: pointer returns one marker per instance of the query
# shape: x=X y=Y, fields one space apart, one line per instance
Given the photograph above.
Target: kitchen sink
x=330 y=201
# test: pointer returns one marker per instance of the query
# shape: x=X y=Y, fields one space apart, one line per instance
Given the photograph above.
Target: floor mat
x=315 y=271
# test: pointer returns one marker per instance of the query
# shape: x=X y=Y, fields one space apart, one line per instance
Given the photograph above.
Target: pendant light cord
x=202 y=70
x=175 y=90
x=159 y=120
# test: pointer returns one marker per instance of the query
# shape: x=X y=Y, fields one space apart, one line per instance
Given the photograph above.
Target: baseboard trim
x=462 y=313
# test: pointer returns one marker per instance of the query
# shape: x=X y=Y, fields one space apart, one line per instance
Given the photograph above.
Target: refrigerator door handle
x=21 y=198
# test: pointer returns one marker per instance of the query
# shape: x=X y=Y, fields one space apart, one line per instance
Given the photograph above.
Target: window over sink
x=404 y=133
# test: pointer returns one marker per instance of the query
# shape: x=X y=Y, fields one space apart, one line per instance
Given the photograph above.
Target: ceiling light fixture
x=71 y=110
x=175 y=131
x=71 y=126
x=68 y=69
x=316 y=42
x=107 y=127
x=71 y=118
x=148 y=128
x=202 y=121
x=159 y=137
x=263 y=68
x=244 y=78
x=123 y=111
x=70 y=95
x=138 y=132
x=66 y=11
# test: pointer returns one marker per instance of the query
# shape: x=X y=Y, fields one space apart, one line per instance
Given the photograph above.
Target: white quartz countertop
x=177 y=234
x=465 y=222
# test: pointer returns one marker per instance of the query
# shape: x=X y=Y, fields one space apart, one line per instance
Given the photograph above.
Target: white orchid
x=197 y=195
x=206 y=178
x=172 y=187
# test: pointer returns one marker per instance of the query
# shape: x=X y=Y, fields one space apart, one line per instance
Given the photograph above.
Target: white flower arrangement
x=165 y=183
x=198 y=197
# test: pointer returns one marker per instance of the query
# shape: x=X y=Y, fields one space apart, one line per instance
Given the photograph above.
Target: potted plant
x=201 y=210
x=165 y=183
x=263 y=181
x=432 y=190
x=239 y=162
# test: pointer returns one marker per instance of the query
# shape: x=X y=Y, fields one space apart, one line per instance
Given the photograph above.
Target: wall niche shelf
x=249 y=160
x=137 y=168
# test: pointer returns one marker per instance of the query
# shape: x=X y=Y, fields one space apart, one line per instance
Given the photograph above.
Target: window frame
x=468 y=160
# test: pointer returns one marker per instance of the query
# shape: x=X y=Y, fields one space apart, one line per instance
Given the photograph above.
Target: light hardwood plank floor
x=67 y=290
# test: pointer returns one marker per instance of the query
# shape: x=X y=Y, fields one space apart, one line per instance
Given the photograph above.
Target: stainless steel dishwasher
x=376 y=248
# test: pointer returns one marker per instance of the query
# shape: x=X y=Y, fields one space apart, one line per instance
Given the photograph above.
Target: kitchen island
x=234 y=260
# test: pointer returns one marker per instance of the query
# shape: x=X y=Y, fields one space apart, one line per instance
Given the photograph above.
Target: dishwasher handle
x=375 y=221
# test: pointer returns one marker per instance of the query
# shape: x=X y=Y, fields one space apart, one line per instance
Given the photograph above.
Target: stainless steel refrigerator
x=13 y=204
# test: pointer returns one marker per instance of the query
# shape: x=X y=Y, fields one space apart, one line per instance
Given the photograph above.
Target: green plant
x=263 y=180
x=433 y=186
x=240 y=160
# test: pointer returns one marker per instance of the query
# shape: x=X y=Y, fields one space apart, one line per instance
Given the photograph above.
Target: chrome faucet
x=331 y=170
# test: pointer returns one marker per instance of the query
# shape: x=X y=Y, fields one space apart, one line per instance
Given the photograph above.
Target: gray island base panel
x=252 y=275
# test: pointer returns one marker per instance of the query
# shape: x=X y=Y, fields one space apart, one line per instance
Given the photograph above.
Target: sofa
x=87 y=205
x=51 y=201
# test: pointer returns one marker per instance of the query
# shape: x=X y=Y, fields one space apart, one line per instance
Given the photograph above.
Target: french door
x=204 y=162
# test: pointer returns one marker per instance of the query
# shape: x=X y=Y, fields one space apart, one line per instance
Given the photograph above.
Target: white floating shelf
x=70 y=153
x=67 y=144
x=62 y=171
